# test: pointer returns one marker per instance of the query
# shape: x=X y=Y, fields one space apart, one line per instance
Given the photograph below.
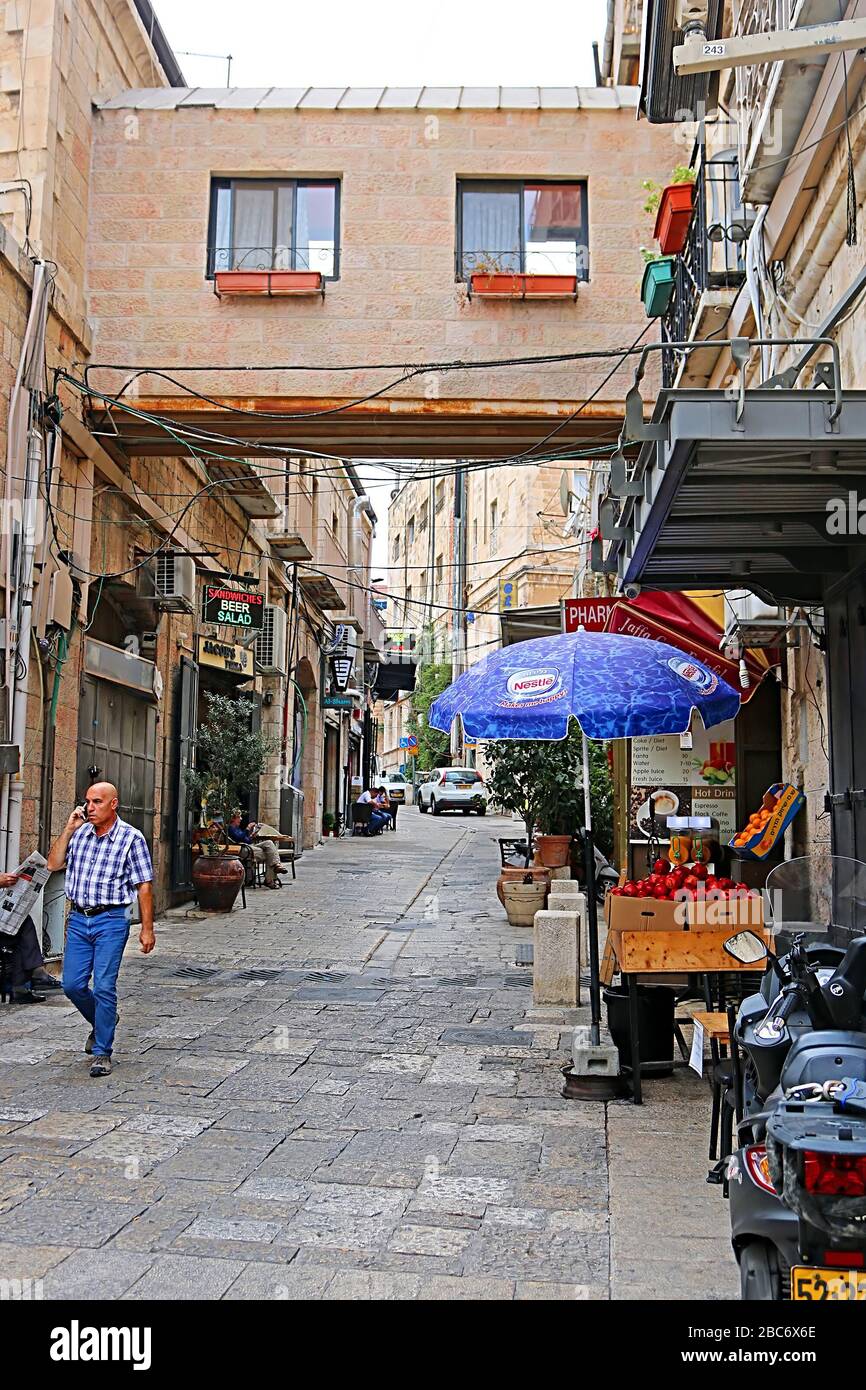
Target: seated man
x=383 y=805
x=26 y=966
x=379 y=817
x=266 y=853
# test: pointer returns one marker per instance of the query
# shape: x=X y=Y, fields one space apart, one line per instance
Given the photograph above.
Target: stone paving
x=345 y=1092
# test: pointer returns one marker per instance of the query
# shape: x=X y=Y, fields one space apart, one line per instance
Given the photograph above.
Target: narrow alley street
x=345 y=1092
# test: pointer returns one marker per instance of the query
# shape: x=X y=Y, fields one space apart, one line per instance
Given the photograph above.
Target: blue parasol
x=614 y=686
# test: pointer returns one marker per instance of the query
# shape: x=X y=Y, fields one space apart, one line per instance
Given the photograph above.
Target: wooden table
x=672 y=953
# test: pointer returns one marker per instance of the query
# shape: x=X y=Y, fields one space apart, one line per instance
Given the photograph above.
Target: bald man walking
x=106 y=862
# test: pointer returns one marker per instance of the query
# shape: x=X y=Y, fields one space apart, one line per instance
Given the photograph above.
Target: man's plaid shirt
x=102 y=870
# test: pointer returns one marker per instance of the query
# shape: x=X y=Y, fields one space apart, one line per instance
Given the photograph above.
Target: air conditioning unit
x=175 y=581
x=271 y=642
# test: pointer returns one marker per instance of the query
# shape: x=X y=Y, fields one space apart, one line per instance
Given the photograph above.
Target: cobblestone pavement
x=345 y=1092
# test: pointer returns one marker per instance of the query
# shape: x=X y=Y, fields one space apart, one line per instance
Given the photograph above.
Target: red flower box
x=508 y=285
x=270 y=283
x=674 y=216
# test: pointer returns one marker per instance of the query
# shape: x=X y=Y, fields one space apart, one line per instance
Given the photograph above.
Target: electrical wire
x=451 y=365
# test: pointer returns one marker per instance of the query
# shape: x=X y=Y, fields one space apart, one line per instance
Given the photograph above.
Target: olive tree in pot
x=231 y=757
x=543 y=783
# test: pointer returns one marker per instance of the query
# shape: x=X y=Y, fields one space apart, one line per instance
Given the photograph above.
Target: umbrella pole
x=591 y=904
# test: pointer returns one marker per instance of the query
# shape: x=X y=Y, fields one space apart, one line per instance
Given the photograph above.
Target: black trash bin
x=655 y=1025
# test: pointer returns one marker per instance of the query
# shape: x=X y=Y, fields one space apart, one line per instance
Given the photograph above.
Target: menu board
x=696 y=781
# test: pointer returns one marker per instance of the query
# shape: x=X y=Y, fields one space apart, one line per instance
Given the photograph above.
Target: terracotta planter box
x=270 y=283
x=513 y=286
x=674 y=216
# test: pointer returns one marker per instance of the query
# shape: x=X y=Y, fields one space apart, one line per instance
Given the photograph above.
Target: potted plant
x=489 y=280
x=231 y=757
x=543 y=783
x=659 y=283
x=673 y=206
x=328 y=823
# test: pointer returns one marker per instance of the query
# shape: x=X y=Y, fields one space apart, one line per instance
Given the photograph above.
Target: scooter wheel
x=760 y=1280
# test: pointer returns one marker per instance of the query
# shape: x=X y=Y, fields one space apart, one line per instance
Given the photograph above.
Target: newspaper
x=16 y=903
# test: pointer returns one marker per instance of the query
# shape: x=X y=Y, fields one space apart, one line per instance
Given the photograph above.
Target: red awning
x=675 y=618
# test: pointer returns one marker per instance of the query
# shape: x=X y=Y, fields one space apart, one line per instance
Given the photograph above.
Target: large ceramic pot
x=553 y=851
x=522 y=901
x=509 y=875
x=217 y=879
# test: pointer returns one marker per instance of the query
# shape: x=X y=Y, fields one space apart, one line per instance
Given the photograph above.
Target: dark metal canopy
x=751 y=503
x=525 y=623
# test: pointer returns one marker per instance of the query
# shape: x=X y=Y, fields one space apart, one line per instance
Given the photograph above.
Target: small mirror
x=746 y=947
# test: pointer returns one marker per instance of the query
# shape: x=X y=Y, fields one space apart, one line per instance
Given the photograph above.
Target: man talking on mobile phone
x=107 y=861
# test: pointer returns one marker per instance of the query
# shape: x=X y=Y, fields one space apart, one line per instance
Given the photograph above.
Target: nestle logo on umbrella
x=704 y=681
x=528 y=685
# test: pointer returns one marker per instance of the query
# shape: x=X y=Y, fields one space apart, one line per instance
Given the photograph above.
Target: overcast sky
x=400 y=43
x=385 y=42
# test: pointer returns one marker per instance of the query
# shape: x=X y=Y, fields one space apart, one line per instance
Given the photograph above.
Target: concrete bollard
x=556 y=958
x=561 y=874
x=570 y=897
x=567 y=887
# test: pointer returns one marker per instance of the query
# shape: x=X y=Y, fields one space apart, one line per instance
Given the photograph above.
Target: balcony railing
x=318 y=257
x=752 y=17
x=714 y=255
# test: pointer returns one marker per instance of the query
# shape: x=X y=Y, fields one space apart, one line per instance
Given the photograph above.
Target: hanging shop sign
x=338 y=702
x=235 y=607
x=591 y=614
x=341 y=670
x=225 y=656
x=696 y=781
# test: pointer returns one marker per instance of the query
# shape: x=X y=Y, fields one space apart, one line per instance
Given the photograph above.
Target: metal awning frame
x=756 y=477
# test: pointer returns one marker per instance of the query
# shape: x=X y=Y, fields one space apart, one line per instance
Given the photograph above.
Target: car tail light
x=844 y=1259
x=758 y=1167
x=834 y=1175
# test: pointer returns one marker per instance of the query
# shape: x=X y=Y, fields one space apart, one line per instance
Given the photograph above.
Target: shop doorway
x=117 y=743
x=331 y=788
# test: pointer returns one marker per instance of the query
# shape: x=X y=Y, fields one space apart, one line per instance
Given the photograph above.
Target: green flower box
x=657 y=289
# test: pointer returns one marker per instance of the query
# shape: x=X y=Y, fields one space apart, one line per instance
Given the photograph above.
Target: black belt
x=95 y=911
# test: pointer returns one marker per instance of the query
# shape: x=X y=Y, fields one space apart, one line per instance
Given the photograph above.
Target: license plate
x=395 y=796
x=818 y=1285
x=464 y=786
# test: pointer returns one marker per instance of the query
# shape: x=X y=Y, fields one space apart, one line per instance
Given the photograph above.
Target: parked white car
x=399 y=790
x=453 y=789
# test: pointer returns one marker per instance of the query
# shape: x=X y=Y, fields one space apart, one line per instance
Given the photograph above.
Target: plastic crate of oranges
x=763 y=830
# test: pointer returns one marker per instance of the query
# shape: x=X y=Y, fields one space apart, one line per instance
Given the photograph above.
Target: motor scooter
x=797 y=1183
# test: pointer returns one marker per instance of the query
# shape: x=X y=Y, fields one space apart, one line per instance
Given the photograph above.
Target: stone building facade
x=108 y=652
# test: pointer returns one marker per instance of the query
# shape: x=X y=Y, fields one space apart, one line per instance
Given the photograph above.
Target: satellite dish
x=565 y=492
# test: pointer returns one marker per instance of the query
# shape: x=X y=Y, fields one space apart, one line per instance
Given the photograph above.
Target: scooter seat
x=824 y=1056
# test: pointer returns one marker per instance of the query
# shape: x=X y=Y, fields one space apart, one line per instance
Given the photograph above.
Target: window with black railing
x=522 y=227
x=274 y=224
x=714 y=256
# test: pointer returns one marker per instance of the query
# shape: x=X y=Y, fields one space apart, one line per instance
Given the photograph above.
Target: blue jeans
x=94 y=946
x=378 y=819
